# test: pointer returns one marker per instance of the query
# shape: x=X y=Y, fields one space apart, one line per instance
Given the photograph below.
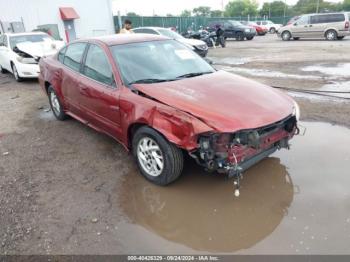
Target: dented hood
x=40 y=49
x=224 y=101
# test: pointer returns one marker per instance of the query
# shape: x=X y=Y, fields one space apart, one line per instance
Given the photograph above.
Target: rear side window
x=97 y=66
x=73 y=56
x=329 y=18
x=60 y=56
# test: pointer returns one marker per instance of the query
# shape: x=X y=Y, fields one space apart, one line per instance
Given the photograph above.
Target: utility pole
x=317 y=6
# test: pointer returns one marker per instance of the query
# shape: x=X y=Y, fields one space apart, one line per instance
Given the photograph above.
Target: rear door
x=70 y=76
x=98 y=92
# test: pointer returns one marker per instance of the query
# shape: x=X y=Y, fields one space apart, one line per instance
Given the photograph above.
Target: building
x=67 y=20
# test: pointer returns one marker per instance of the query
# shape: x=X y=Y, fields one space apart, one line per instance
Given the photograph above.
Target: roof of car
x=120 y=39
x=26 y=33
x=151 y=27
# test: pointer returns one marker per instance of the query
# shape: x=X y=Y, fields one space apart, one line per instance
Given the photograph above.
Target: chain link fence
x=184 y=23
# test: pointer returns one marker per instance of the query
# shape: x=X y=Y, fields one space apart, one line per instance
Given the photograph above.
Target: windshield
x=14 y=40
x=170 y=33
x=158 y=61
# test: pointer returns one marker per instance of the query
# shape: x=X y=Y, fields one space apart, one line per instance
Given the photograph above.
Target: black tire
x=173 y=159
x=331 y=35
x=340 y=37
x=239 y=36
x=250 y=38
x=2 y=70
x=272 y=30
x=15 y=73
x=286 y=36
x=59 y=114
x=296 y=38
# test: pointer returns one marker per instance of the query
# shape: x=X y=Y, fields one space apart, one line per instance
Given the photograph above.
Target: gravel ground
x=65 y=189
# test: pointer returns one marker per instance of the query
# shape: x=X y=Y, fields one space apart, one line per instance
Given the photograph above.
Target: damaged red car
x=161 y=100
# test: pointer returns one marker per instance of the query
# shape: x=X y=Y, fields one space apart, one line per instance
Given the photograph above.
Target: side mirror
x=295 y=24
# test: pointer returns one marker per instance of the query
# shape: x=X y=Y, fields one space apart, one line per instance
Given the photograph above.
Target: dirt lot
x=65 y=189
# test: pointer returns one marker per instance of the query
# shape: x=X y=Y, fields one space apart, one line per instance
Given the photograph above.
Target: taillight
x=346 y=24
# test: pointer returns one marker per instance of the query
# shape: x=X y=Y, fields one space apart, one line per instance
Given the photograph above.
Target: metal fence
x=183 y=23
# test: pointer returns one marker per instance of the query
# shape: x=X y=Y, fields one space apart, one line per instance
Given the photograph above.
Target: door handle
x=310 y=25
x=114 y=108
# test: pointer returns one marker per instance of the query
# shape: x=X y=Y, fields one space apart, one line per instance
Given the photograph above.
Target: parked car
x=331 y=26
x=20 y=53
x=271 y=26
x=161 y=101
x=234 y=29
x=198 y=46
x=260 y=29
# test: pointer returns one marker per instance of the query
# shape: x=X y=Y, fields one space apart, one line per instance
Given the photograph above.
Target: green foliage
x=201 y=11
x=186 y=13
x=216 y=13
x=241 y=8
x=275 y=8
x=346 y=5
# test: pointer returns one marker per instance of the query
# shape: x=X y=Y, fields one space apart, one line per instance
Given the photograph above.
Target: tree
x=241 y=8
x=310 y=6
x=346 y=5
x=131 y=14
x=276 y=8
x=216 y=13
x=201 y=11
x=186 y=13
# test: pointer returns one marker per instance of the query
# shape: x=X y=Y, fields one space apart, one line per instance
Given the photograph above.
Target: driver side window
x=97 y=66
x=304 y=20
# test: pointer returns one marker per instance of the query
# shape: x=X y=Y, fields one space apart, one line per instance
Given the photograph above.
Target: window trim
x=114 y=85
x=80 y=59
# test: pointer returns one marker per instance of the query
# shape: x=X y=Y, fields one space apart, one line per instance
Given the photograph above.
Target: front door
x=301 y=27
x=99 y=95
x=70 y=30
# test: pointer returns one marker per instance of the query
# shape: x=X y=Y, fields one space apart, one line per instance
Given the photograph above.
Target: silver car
x=331 y=26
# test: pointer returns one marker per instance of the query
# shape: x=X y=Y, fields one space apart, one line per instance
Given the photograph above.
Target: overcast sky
x=163 y=7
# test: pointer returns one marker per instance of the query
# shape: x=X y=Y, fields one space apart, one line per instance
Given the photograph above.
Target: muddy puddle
x=295 y=201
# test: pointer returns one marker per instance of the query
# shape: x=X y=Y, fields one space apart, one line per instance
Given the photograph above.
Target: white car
x=21 y=52
x=198 y=46
x=271 y=26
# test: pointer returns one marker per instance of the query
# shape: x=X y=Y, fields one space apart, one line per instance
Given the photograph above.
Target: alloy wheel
x=150 y=156
x=55 y=104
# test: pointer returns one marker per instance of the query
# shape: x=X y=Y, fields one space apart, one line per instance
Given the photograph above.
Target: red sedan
x=161 y=100
x=260 y=29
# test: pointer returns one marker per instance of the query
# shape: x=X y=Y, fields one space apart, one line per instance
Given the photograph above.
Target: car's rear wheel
x=331 y=35
x=158 y=160
x=286 y=36
x=250 y=38
x=15 y=73
x=55 y=104
x=272 y=30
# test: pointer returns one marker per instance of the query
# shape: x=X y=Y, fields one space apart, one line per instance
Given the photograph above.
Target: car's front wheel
x=286 y=36
x=55 y=104
x=250 y=37
x=15 y=73
x=158 y=160
x=2 y=70
x=272 y=30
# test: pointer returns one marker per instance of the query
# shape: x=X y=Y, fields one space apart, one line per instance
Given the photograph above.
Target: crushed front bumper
x=233 y=153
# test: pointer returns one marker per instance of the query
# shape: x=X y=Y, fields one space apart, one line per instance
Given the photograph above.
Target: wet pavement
x=295 y=202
